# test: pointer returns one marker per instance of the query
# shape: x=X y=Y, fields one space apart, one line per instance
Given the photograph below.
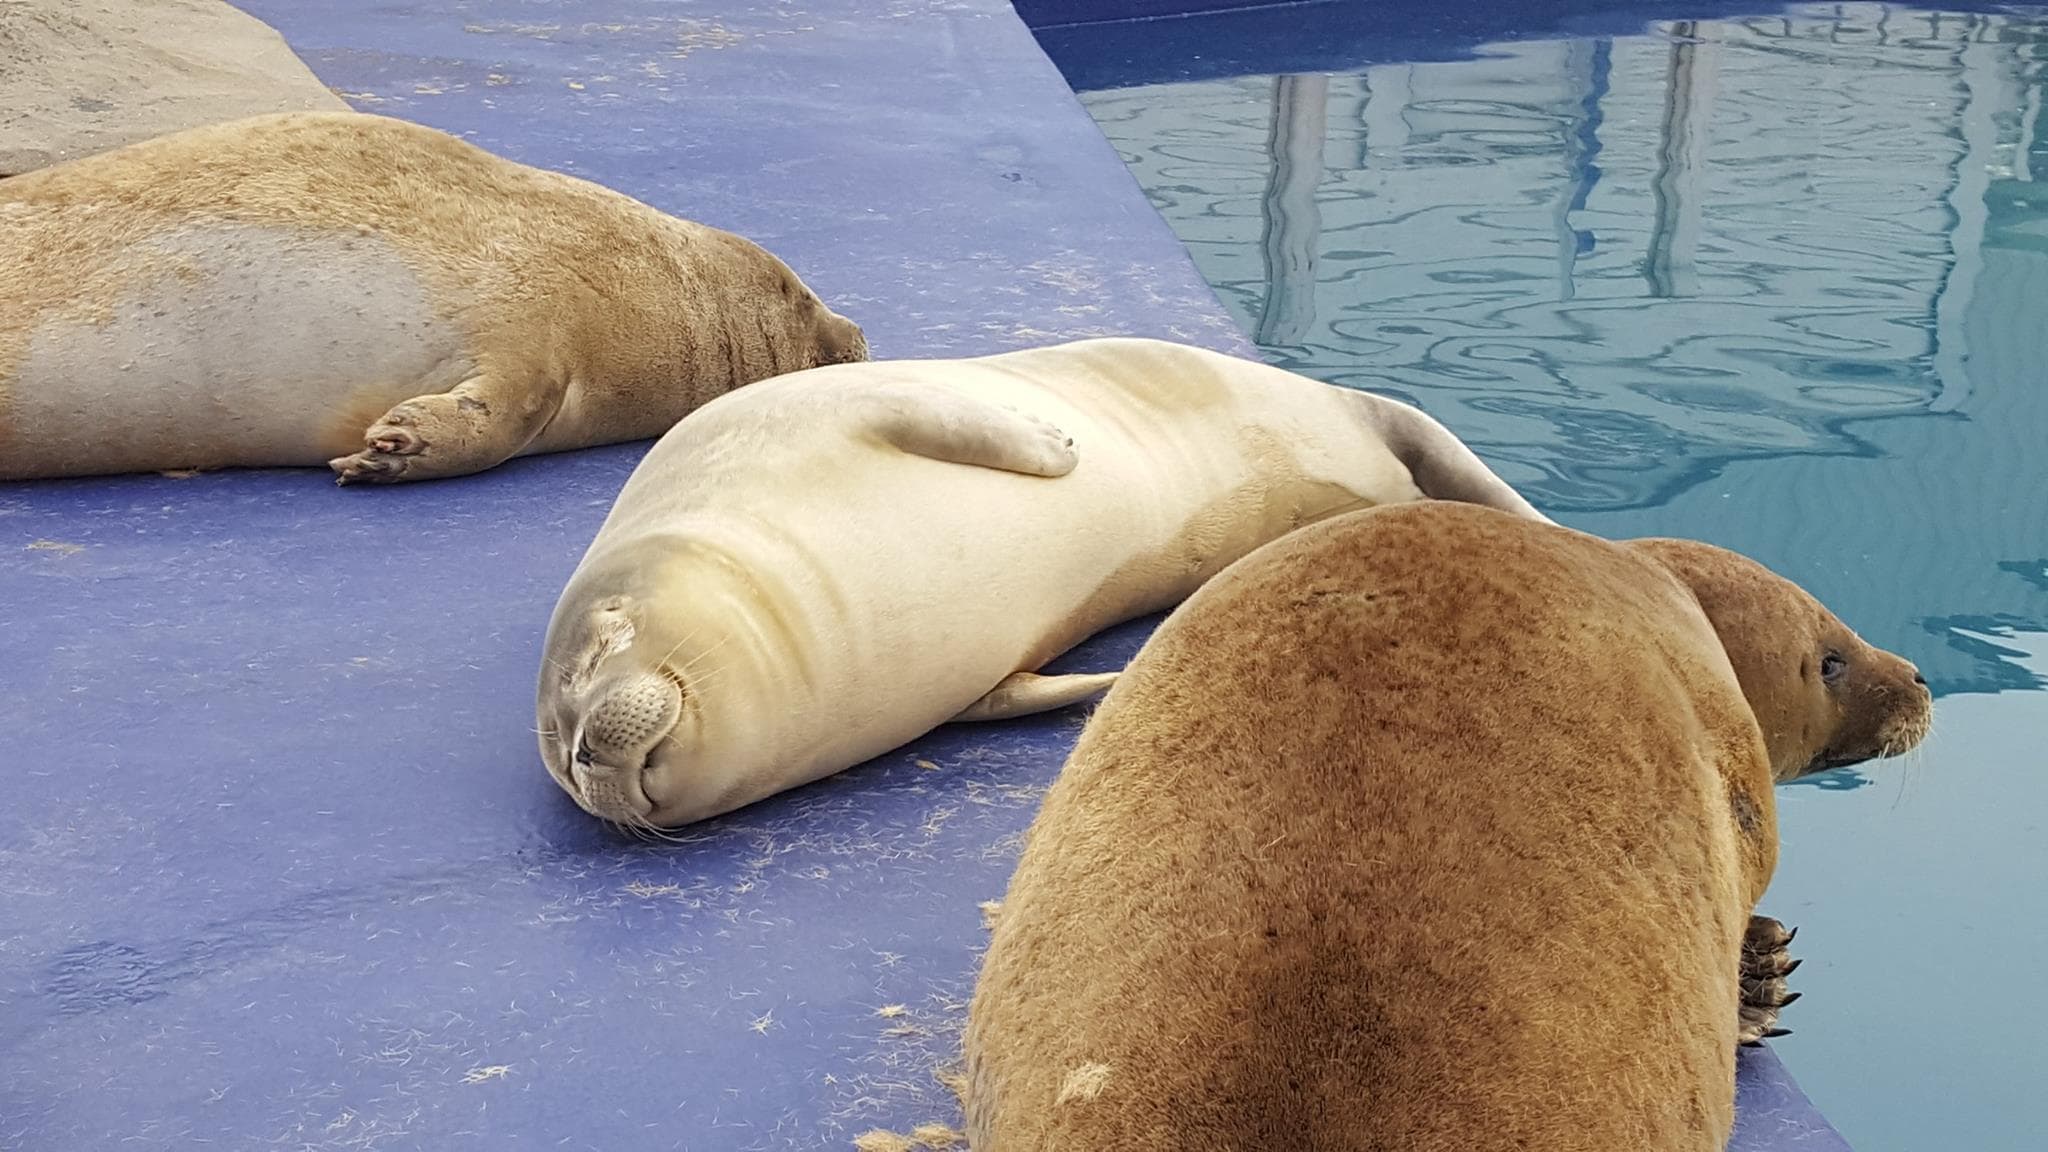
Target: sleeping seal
x=817 y=569
x=356 y=290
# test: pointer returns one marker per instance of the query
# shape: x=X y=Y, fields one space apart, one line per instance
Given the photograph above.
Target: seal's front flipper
x=1766 y=961
x=1024 y=693
x=481 y=422
x=942 y=424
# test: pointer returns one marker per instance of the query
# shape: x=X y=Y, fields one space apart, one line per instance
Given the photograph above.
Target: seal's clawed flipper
x=1765 y=964
x=1024 y=693
x=945 y=425
x=479 y=423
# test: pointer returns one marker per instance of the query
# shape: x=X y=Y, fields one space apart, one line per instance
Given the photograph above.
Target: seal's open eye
x=1832 y=666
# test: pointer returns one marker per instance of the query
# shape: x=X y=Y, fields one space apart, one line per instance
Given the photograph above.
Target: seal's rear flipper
x=1443 y=467
x=941 y=424
x=1023 y=693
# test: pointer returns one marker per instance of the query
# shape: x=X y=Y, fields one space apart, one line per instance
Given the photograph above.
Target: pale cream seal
x=819 y=568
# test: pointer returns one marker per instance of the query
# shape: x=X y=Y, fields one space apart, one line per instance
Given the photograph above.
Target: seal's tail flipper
x=1441 y=464
x=1024 y=693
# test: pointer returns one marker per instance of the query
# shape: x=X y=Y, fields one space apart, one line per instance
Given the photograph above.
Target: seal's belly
x=220 y=346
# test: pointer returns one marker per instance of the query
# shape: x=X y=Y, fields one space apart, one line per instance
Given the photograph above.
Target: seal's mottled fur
x=1426 y=828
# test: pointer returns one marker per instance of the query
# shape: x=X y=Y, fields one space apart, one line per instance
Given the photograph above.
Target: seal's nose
x=628 y=719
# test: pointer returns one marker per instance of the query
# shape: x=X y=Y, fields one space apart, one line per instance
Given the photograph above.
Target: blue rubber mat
x=279 y=867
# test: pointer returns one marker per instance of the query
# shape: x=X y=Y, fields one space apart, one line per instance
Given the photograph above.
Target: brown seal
x=1425 y=828
x=369 y=293
x=84 y=76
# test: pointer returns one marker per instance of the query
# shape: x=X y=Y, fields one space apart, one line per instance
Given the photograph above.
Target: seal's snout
x=628 y=718
x=1912 y=715
x=1886 y=708
x=623 y=723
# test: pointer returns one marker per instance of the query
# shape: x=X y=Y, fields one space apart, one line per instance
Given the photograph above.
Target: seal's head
x=603 y=710
x=1823 y=697
x=657 y=698
x=802 y=323
x=834 y=338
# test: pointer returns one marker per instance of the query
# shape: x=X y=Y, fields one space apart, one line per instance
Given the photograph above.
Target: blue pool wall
x=1120 y=44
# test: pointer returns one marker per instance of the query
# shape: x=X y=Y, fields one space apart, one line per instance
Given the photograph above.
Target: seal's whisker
x=690 y=666
x=653 y=832
x=689 y=636
x=706 y=676
x=684 y=678
x=722 y=642
x=702 y=681
x=665 y=836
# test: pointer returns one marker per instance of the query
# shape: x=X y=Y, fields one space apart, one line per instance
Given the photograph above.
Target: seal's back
x=1400 y=834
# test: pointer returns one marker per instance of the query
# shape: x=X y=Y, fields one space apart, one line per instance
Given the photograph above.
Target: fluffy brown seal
x=369 y=293
x=1424 y=828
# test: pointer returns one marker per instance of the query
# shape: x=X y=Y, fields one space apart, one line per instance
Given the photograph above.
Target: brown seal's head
x=1823 y=697
x=809 y=334
x=825 y=335
x=834 y=338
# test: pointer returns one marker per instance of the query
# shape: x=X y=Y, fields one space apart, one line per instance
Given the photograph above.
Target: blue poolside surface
x=279 y=866
x=1774 y=277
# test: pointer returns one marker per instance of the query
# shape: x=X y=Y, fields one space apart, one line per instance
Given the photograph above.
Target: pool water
x=1776 y=281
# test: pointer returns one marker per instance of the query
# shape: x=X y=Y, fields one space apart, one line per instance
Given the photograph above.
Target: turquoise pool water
x=1777 y=282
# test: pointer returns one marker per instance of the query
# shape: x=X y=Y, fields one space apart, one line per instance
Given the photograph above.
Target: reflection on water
x=1777 y=282
x=1539 y=240
x=1640 y=273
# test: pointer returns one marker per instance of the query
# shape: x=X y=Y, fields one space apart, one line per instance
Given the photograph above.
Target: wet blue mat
x=279 y=867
